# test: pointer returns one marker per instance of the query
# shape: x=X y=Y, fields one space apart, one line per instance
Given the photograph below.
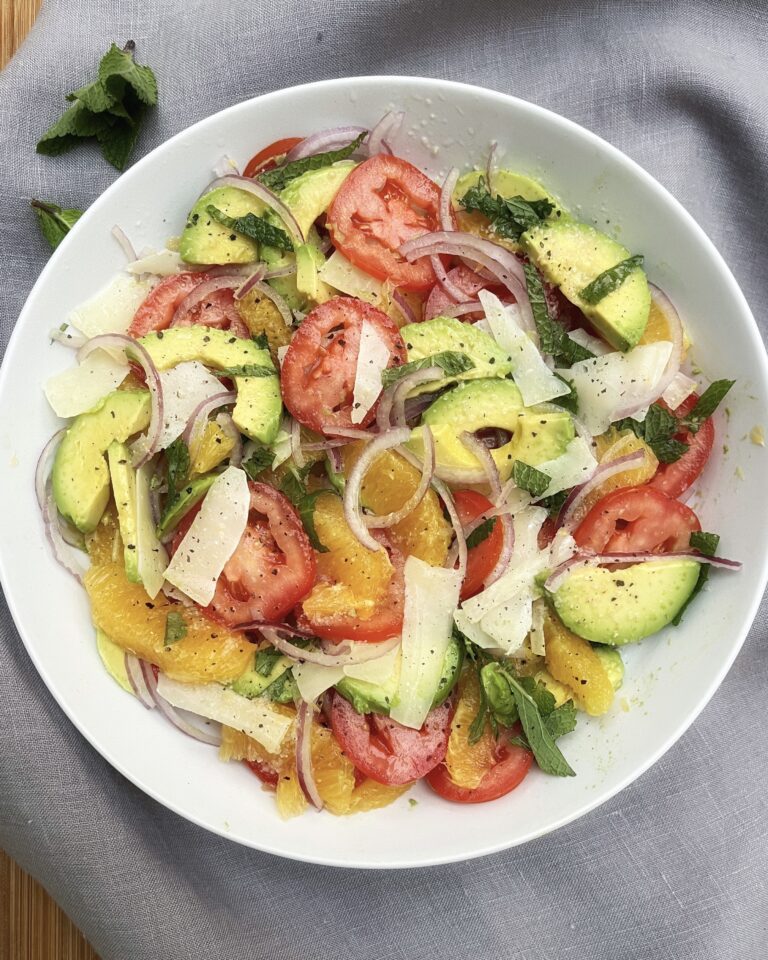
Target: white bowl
x=669 y=677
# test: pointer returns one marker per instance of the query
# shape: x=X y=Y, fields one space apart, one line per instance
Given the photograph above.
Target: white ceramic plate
x=669 y=678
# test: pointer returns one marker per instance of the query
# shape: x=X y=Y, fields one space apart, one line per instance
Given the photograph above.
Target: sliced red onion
x=461 y=309
x=323 y=446
x=137 y=681
x=384 y=130
x=125 y=244
x=271 y=294
x=227 y=424
x=445 y=207
x=258 y=274
x=604 y=471
x=224 y=166
x=408 y=383
x=479 y=450
x=350 y=433
x=444 y=282
x=666 y=306
x=356 y=653
x=44 y=464
x=146 y=447
x=427 y=472
x=556 y=577
x=335 y=460
x=415 y=406
x=490 y=165
x=507 y=550
x=198 y=419
x=404 y=306
x=461 y=541
x=504 y=266
x=257 y=188
x=354 y=482
x=200 y=294
x=304 y=754
x=174 y=716
x=323 y=141
x=296 y=453
x=66 y=339
x=64 y=553
x=285 y=271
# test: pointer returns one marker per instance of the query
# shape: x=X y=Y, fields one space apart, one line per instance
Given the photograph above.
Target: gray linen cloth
x=675 y=866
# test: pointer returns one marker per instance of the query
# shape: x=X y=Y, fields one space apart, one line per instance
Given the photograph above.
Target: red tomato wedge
x=318 y=372
x=382 y=203
x=637 y=520
x=270 y=156
x=272 y=569
x=507 y=773
x=675 y=478
x=385 y=750
x=158 y=310
x=484 y=557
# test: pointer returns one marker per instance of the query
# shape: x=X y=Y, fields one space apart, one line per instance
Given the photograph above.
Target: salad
x=369 y=478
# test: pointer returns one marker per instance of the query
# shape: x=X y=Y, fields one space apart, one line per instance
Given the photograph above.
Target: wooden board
x=32 y=927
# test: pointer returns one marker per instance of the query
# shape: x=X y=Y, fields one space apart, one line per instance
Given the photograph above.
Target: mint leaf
x=259 y=461
x=450 y=361
x=529 y=478
x=55 y=222
x=265 y=660
x=119 y=64
x=569 y=401
x=562 y=720
x=509 y=217
x=284 y=689
x=306 y=507
x=261 y=340
x=277 y=179
x=658 y=429
x=707 y=403
x=257 y=228
x=501 y=699
x=552 y=336
x=481 y=532
x=610 y=280
x=117 y=142
x=706 y=543
x=75 y=124
x=477 y=726
x=553 y=504
x=177 y=464
x=175 y=628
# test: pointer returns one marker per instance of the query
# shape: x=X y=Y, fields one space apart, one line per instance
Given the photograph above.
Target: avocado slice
x=259 y=406
x=80 y=475
x=113 y=658
x=571 y=255
x=205 y=240
x=622 y=606
x=505 y=183
x=612 y=664
x=488 y=404
x=189 y=496
x=124 y=491
x=252 y=684
x=447 y=334
x=368 y=697
x=310 y=194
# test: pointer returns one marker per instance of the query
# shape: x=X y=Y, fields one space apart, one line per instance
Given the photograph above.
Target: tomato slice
x=318 y=372
x=386 y=622
x=161 y=303
x=382 y=203
x=507 y=773
x=675 y=478
x=385 y=750
x=272 y=569
x=484 y=557
x=270 y=156
x=637 y=520
x=470 y=283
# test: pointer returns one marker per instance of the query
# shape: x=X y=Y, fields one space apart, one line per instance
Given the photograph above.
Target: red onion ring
x=44 y=464
x=296 y=453
x=504 y=265
x=461 y=309
x=385 y=520
x=283 y=309
x=350 y=433
x=387 y=127
x=227 y=424
x=404 y=386
x=354 y=482
x=258 y=274
x=172 y=714
x=445 y=209
x=304 y=754
x=323 y=141
x=604 y=471
x=65 y=554
x=359 y=652
x=264 y=194
x=199 y=416
x=137 y=681
x=401 y=301
x=125 y=244
x=461 y=541
x=479 y=450
x=507 y=550
x=556 y=577
x=448 y=286
x=146 y=447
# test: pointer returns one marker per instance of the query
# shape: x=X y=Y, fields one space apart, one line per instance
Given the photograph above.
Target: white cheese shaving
x=537 y=383
x=678 y=391
x=281 y=448
x=377 y=671
x=584 y=339
x=184 y=387
x=80 y=388
x=340 y=273
x=258 y=718
x=312 y=679
x=372 y=359
x=163 y=263
x=152 y=557
x=574 y=466
x=607 y=385
x=431 y=596
x=212 y=537
x=536 y=639
x=111 y=310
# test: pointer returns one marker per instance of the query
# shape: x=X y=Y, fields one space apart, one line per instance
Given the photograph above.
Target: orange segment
x=574 y=663
x=125 y=612
x=359 y=577
x=467 y=763
x=657 y=328
x=610 y=446
x=371 y=795
x=424 y=533
x=260 y=315
x=214 y=446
